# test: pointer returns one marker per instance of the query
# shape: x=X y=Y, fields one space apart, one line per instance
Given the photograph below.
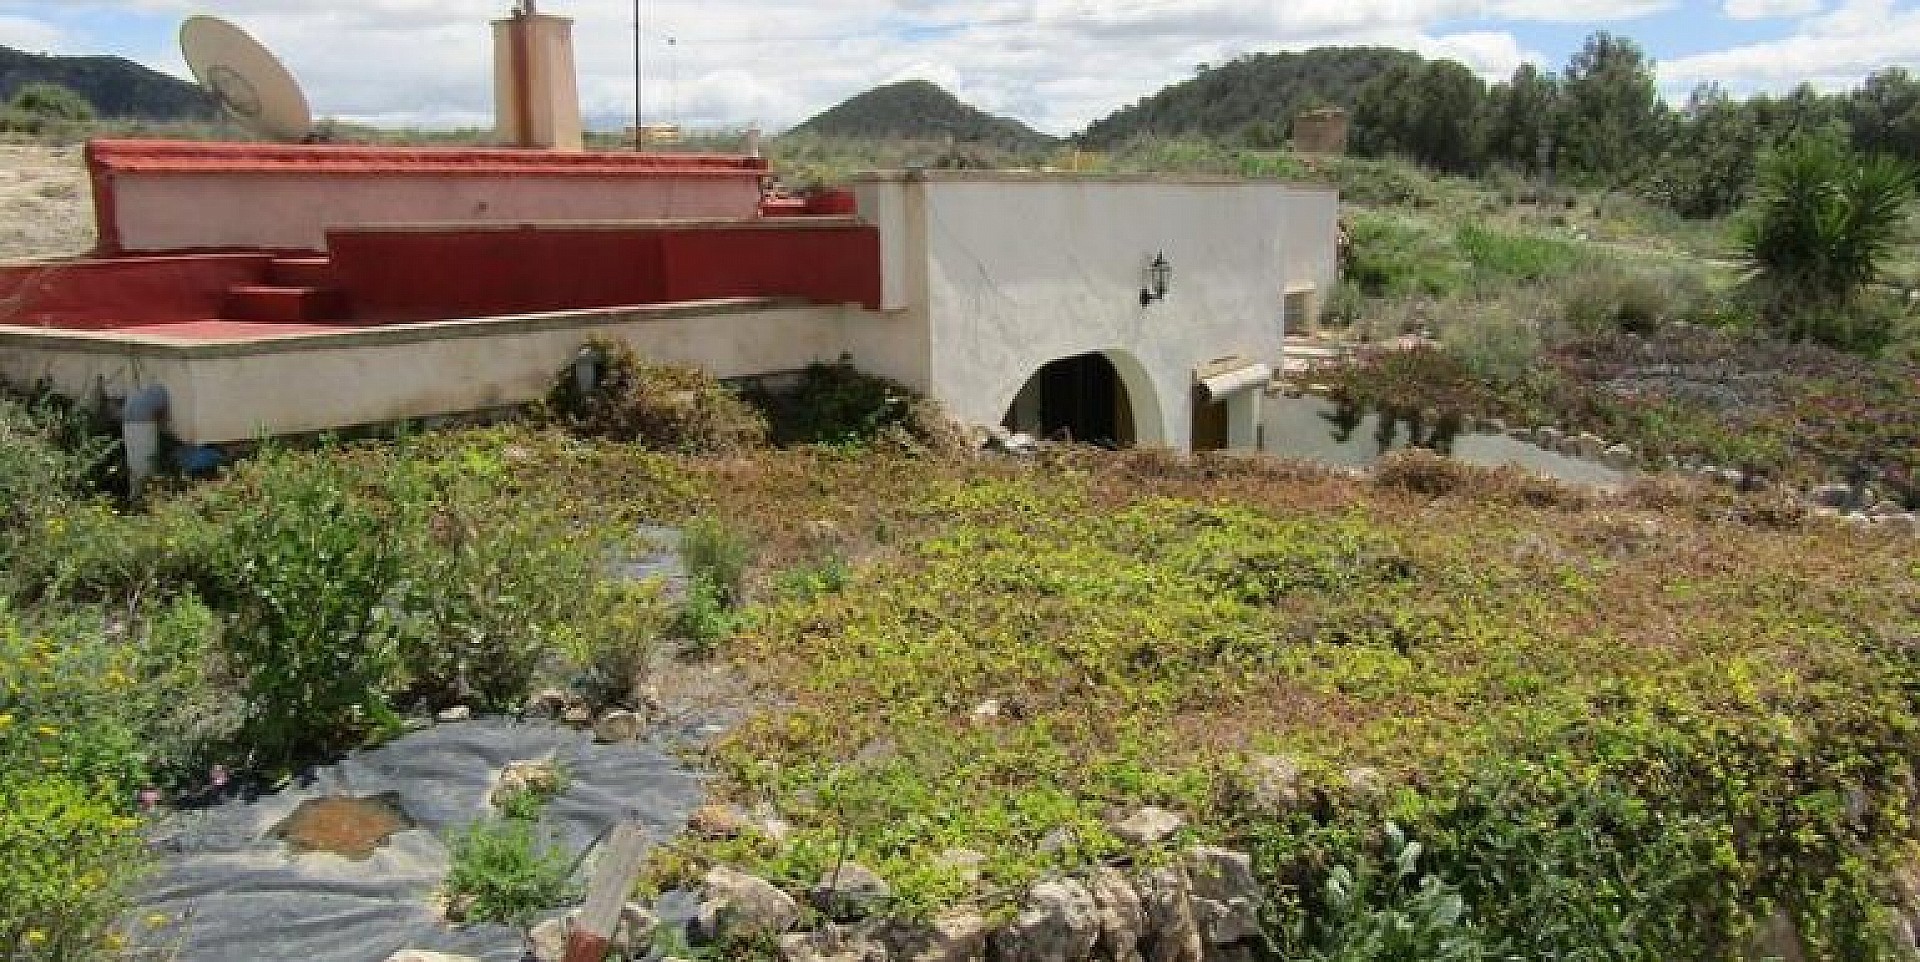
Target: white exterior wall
x=237 y=391
x=1020 y=272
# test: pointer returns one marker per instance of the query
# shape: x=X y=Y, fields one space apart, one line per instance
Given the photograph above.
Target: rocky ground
x=46 y=209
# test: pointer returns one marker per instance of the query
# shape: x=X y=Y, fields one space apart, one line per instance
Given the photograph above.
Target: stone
x=632 y=932
x=963 y=862
x=1619 y=456
x=1226 y=896
x=737 y=905
x=457 y=713
x=647 y=698
x=618 y=725
x=547 y=703
x=1057 y=922
x=770 y=825
x=1149 y=825
x=986 y=711
x=547 y=940
x=422 y=955
x=1055 y=840
x=1831 y=496
x=718 y=821
x=1364 y=780
x=1275 y=783
x=537 y=775
x=830 y=943
x=850 y=891
x=957 y=936
x=1171 y=933
x=1123 y=920
x=579 y=716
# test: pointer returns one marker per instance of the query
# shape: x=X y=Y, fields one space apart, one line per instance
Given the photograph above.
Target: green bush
x=43 y=108
x=717 y=553
x=1392 y=912
x=503 y=872
x=668 y=407
x=69 y=853
x=1392 y=255
x=1500 y=256
x=839 y=405
x=610 y=647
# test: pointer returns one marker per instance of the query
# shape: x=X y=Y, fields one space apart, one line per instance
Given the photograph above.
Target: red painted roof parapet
x=166 y=156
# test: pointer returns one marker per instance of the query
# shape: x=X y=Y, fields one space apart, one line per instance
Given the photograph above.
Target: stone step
x=269 y=303
x=301 y=272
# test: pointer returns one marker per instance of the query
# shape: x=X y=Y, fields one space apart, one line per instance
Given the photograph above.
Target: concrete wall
x=1022 y=271
x=239 y=391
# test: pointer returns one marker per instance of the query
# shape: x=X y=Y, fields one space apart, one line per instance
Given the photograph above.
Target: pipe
x=140 y=418
x=1238 y=379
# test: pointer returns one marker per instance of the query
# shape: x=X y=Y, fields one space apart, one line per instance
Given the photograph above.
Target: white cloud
x=1832 y=51
x=1056 y=64
x=1768 y=9
x=31 y=35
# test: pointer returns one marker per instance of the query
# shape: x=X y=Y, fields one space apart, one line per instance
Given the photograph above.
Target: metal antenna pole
x=639 y=131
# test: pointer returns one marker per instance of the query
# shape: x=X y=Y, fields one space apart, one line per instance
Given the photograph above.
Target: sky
x=1056 y=64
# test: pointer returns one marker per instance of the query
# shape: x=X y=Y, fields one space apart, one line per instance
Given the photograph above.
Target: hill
x=115 y=87
x=1255 y=95
x=919 y=110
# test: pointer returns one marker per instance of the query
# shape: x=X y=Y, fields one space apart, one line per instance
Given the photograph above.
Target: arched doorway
x=1082 y=398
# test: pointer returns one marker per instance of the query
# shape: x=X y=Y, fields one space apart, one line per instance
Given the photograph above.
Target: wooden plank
x=613 y=877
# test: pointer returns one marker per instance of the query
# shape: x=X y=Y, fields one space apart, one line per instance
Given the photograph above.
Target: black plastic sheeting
x=232 y=891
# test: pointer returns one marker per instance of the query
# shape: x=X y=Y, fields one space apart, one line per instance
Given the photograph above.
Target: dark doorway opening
x=1079 y=398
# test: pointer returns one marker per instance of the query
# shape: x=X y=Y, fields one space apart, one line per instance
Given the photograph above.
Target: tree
x=1611 y=116
x=1884 y=113
x=1822 y=221
x=1426 y=112
x=1519 y=119
x=1708 y=167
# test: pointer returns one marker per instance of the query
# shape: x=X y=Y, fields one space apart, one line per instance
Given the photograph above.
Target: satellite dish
x=249 y=82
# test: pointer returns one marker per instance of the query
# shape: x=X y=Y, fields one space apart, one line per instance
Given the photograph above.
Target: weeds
x=503 y=872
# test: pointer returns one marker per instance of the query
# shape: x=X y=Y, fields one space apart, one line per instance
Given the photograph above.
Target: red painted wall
x=469 y=271
x=119 y=292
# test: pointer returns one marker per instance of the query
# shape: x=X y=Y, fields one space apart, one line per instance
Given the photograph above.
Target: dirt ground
x=46 y=209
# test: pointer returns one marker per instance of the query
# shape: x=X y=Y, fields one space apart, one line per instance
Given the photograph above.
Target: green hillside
x=115 y=87
x=1258 y=93
x=919 y=110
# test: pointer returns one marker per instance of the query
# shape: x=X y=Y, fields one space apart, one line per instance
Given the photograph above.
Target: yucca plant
x=1822 y=221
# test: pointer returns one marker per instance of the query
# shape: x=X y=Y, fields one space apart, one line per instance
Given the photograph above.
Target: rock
x=735 y=904
x=1123 y=920
x=717 y=821
x=632 y=933
x=1058 y=922
x=1226 y=897
x=537 y=775
x=1364 y=780
x=850 y=891
x=1171 y=933
x=964 y=862
x=1831 y=496
x=1547 y=437
x=1149 y=825
x=547 y=703
x=577 y=715
x=769 y=824
x=1619 y=456
x=547 y=941
x=647 y=698
x=422 y=955
x=986 y=711
x=1275 y=783
x=457 y=713
x=958 y=936
x=1055 y=840
x=830 y=943
x=618 y=725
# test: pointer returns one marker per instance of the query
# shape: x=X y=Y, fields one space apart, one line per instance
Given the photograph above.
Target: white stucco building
x=1025 y=300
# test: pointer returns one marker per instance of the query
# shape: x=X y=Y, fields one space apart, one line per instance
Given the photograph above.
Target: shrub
x=668 y=407
x=1495 y=341
x=839 y=405
x=39 y=108
x=611 y=646
x=1603 y=300
x=1822 y=222
x=69 y=853
x=1394 y=913
x=1497 y=255
x=718 y=554
x=503 y=872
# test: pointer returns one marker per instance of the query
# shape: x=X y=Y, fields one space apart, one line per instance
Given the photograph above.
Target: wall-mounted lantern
x=1159 y=275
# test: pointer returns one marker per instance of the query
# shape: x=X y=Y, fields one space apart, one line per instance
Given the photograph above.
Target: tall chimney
x=535 y=93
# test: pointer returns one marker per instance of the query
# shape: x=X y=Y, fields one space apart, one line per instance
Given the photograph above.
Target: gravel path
x=46 y=208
